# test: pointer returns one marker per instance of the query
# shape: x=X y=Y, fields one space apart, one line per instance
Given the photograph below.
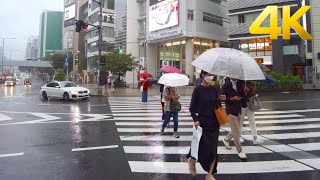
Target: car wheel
x=66 y=96
x=44 y=95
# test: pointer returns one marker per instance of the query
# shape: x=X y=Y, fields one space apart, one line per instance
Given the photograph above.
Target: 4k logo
x=287 y=22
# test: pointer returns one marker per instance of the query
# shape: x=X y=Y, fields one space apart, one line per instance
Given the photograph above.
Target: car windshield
x=9 y=79
x=68 y=84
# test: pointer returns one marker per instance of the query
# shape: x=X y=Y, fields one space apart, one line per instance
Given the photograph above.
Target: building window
x=216 y=1
x=211 y=18
x=257 y=47
x=108 y=4
x=108 y=32
x=241 y=18
x=190 y=15
x=108 y=18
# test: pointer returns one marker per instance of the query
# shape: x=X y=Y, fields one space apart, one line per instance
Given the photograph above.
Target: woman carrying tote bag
x=203 y=102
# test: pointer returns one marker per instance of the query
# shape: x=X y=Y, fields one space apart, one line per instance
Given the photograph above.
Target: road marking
x=4 y=117
x=224 y=167
x=291 y=135
x=185 y=149
x=315 y=163
x=94 y=148
x=45 y=117
x=307 y=146
x=11 y=155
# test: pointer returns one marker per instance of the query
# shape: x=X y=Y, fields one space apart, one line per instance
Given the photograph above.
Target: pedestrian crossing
x=291 y=140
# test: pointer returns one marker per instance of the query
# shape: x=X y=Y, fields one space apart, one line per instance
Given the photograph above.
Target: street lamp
x=3 y=38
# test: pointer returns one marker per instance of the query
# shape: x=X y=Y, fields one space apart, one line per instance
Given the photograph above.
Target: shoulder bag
x=221 y=115
x=175 y=105
x=254 y=103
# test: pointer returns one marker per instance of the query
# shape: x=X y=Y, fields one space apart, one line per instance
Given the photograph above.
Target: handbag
x=175 y=105
x=141 y=87
x=221 y=115
x=254 y=103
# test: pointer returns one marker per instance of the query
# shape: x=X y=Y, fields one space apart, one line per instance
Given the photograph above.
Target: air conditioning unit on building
x=165 y=63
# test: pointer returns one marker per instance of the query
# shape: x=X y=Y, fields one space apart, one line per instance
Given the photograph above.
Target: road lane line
x=4 y=117
x=95 y=148
x=224 y=167
x=11 y=154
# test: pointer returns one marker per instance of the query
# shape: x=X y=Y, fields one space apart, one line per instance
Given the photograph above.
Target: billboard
x=69 y=15
x=163 y=14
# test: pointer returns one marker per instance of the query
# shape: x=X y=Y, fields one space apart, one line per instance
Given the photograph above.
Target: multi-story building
x=314 y=48
x=282 y=56
x=108 y=26
x=50 y=33
x=179 y=31
x=130 y=33
x=32 y=48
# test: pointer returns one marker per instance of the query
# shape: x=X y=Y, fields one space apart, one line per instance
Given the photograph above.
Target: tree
x=119 y=64
x=57 y=61
x=59 y=75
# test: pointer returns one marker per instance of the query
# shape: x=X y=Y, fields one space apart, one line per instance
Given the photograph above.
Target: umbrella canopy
x=145 y=75
x=229 y=62
x=170 y=69
x=264 y=68
x=269 y=80
x=174 y=80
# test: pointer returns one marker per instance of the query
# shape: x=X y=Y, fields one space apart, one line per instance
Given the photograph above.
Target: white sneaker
x=241 y=140
x=257 y=141
x=226 y=144
x=242 y=155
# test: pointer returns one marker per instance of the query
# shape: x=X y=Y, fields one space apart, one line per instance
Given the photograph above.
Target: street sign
x=66 y=60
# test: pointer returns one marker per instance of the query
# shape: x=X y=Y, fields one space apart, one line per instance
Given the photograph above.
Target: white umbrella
x=174 y=80
x=229 y=63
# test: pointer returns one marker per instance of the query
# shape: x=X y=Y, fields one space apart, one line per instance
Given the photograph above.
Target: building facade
x=108 y=26
x=50 y=33
x=179 y=31
x=282 y=56
x=32 y=48
x=314 y=49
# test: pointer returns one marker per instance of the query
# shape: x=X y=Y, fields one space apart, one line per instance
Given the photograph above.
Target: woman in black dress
x=204 y=100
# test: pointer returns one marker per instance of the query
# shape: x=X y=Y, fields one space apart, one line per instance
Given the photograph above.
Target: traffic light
x=81 y=25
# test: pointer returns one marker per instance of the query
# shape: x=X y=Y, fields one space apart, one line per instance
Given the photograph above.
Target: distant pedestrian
x=204 y=100
x=162 y=87
x=199 y=79
x=169 y=94
x=112 y=85
x=250 y=91
x=234 y=92
x=145 y=89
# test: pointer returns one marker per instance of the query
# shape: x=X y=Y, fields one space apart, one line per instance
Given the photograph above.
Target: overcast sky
x=20 y=19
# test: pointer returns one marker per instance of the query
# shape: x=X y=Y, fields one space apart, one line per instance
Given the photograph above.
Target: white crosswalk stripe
x=139 y=125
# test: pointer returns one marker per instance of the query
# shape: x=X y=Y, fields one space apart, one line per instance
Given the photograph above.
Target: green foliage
x=119 y=64
x=57 y=61
x=287 y=79
x=59 y=75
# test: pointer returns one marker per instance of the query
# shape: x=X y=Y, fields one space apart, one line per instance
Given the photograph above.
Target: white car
x=65 y=90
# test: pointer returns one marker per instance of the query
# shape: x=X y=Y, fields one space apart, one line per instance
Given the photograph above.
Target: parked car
x=64 y=90
x=10 y=81
x=27 y=81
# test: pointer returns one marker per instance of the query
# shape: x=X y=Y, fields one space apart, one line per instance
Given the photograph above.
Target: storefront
x=259 y=48
x=173 y=52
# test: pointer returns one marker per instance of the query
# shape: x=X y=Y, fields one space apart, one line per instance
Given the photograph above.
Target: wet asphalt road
x=41 y=139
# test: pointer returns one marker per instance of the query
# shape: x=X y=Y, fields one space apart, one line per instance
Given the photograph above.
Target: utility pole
x=99 y=43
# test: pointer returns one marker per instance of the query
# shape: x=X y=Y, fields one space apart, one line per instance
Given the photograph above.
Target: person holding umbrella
x=203 y=102
x=145 y=85
x=171 y=98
